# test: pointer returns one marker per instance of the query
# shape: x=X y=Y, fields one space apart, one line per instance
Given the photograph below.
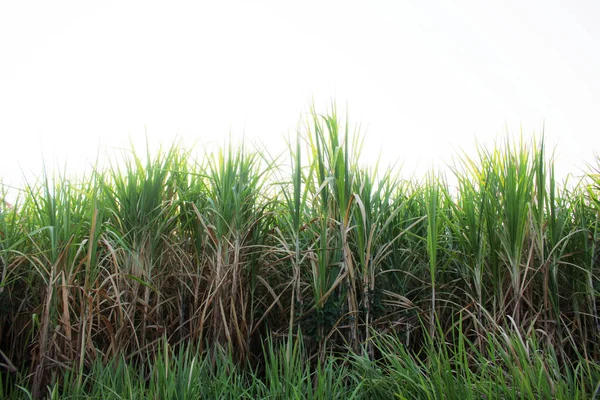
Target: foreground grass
x=167 y=263
x=510 y=367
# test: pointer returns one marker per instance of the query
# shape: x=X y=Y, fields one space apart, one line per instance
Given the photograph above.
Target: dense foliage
x=235 y=275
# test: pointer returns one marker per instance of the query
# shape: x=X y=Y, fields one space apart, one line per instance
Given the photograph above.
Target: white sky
x=423 y=78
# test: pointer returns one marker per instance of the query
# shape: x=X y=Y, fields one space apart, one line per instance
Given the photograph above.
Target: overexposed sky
x=423 y=78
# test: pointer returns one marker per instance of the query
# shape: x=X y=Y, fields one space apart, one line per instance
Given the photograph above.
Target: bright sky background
x=423 y=78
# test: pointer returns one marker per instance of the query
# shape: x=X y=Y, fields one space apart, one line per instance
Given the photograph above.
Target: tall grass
x=259 y=270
